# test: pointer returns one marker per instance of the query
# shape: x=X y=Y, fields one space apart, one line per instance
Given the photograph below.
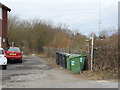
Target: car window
x=1 y=52
x=14 y=49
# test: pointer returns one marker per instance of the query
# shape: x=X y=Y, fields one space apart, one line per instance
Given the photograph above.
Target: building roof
x=5 y=7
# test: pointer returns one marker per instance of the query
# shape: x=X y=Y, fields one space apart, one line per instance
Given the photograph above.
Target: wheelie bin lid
x=77 y=55
x=57 y=52
x=82 y=55
x=67 y=54
x=74 y=56
x=63 y=53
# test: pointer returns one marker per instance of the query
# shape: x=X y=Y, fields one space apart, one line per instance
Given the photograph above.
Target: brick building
x=3 y=25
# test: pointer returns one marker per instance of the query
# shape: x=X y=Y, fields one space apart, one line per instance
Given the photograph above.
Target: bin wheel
x=20 y=61
x=4 y=67
x=81 y=72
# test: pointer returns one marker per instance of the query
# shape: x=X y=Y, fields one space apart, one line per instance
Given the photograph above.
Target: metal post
x=88 y=48
x=12 y=44
x=0 y=42
x=92 y=47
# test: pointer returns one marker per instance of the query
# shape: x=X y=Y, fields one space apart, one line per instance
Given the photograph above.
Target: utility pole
x=92 y=52
x=13 y=44
x=0 y=42
x=100 y=22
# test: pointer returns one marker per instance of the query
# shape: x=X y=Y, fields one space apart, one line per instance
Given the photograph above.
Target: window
x=0 y=13
x=14 y=49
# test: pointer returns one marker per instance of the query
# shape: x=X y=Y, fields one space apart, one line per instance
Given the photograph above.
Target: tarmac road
x=36 y=72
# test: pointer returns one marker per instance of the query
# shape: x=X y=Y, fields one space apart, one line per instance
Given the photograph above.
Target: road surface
x=36 y=72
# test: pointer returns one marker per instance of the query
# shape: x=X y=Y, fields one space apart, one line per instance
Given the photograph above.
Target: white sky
x=82 y=15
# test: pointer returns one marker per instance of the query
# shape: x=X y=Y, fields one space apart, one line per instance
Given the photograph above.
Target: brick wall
x=4 y=28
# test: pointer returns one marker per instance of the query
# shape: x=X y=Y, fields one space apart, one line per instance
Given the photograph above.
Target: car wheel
x=4 y=67
x=20 y=61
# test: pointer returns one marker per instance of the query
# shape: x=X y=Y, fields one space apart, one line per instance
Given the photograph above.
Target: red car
x=14 y=54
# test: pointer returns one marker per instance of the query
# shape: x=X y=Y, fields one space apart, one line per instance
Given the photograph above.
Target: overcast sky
x=82 y=15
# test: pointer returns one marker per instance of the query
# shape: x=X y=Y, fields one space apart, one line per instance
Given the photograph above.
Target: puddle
x=5 y=78
x=18 y=80
x=35 y=67
x=103 y=81
x=19 y=74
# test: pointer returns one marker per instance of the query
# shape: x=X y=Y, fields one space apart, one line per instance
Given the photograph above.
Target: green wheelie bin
x=82 y=61
x=68 y=61
x=75 y=63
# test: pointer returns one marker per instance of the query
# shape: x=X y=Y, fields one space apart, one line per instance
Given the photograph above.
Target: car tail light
x=7 y=53
x=19 y=54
